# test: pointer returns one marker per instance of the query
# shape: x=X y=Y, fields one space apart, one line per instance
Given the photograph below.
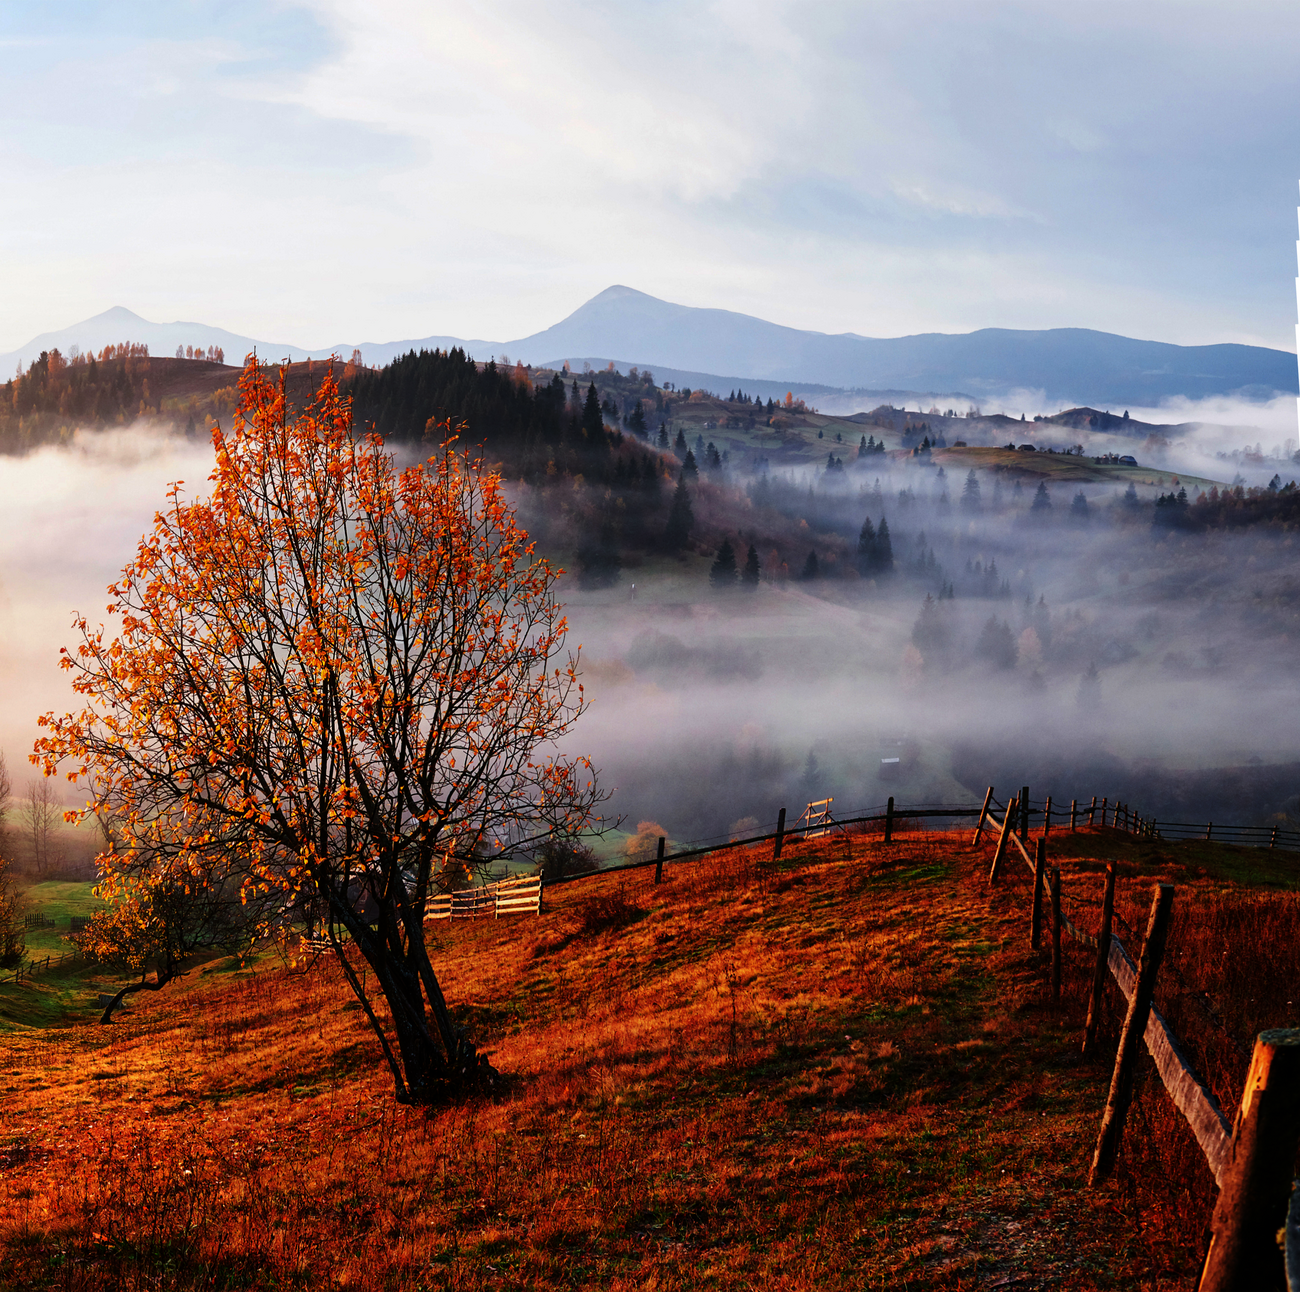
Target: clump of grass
x=610 y=910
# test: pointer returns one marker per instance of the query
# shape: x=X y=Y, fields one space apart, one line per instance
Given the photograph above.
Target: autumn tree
x=329 y=684
x=156 y=920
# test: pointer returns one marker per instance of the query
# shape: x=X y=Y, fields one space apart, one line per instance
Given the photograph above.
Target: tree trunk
x=163 y=978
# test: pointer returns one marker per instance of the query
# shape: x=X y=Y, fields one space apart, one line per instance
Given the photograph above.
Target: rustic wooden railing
x=1252 y=1160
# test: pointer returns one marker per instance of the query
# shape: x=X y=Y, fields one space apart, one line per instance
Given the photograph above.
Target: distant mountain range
x=693 y=346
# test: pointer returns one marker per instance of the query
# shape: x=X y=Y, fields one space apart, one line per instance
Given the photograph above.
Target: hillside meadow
x=842 y=1070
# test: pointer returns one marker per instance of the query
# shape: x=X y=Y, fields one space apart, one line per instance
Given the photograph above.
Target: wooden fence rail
x=40 y=964
x=1251 y=1160
x=505 y=897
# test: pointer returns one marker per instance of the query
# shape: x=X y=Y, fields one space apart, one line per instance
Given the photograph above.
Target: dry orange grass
x=843 y=1072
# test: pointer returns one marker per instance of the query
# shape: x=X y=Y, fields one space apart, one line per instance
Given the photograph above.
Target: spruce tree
x=997 y=644
x=810 y=568
x=593 y=420
x=884 y=562
x=1079 y=508
x=723 y=573
x=679 y=444
x=749 y=575
x=663 y=436
x=681 y=519
x=970 y=492
x=1042 y=499
x=1089 y=695
x=867 y=548
x=636 y=423
x=689 y=467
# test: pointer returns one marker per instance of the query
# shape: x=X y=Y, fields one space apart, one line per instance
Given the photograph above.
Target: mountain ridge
x=1079 y=365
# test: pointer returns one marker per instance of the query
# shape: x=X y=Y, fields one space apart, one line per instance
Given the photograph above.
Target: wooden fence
x=1252 y=1161
x=520 y=896
x=40 y=964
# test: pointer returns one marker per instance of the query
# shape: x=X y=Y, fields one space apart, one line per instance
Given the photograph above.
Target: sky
x=325 y=173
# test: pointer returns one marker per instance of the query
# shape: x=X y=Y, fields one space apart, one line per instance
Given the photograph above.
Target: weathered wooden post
x=1103 y=812
x=1056 y=936
x=1047 y=816
x=659 y=862
x=1092 y=810
x=780 y=835
x=1024 y=814
x=1008 y=824
x=1135 y=1026
x=1272 y=843
x=1036 y=919
x=1209 y=830
x=889 y=820
x=1255 y=1187
x=1074 y=815
x=984 y=812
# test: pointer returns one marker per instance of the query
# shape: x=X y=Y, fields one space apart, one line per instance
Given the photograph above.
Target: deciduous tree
x=328 y=684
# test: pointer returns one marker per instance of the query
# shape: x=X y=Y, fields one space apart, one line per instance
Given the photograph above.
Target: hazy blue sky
x=329 y=172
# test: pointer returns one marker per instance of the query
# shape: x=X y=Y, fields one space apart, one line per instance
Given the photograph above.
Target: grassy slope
x=844 y=1072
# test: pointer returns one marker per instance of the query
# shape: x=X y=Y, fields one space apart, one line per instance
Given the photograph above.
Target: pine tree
x=636 y=423
x=681 y=519
x=679 y=444
x=1089 y=695
x=811 y=570
x=970 y=493
x=931 y=634
x=593 y=420
x=749 y=575
x=867 y=548
x=997 y=644
x=722 y=574
x=663 y=436
x=884 y=563
x=1079 y=508
x=689 y=467
x=1042 y=499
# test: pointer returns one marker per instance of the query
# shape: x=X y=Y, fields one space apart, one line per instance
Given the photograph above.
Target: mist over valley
x=1126 y=629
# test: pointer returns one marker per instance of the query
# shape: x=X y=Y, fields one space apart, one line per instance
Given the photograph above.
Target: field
x=844 y=1070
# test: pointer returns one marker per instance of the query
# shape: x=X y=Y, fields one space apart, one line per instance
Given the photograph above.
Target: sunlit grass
x=843 y=1071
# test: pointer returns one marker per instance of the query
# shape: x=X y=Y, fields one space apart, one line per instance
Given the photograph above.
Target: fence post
x=1024 y=814
x=1056 y=935
x=1047 y=816
x=889 y=820
x=659 y=862
x=1135 y=1026
x=1074 y=814
x=1209 y=830
x=1036 y=920
x=1252 y=1207
x=1103 y=960
x=1008 y=824
x=1272 y=843
x=984 y=811
x=1092 y=809
x=780 y=835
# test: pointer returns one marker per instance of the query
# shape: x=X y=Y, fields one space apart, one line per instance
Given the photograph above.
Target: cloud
x=480 y=170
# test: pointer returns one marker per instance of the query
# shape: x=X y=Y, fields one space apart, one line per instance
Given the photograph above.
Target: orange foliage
x=328 y=686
